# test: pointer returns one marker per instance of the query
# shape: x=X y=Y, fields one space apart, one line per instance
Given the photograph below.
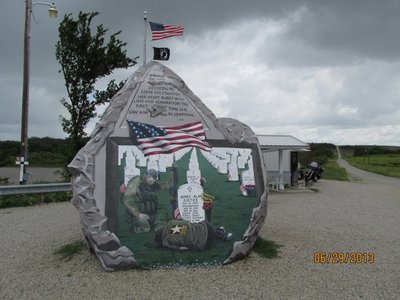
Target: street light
x=23 y=158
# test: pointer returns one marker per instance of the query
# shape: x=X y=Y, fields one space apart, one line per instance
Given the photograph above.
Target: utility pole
x=22 y=160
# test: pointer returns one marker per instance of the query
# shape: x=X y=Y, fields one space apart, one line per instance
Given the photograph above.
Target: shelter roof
x=283 y=142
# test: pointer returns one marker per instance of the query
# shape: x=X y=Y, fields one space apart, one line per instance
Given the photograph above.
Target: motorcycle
x=314 y=172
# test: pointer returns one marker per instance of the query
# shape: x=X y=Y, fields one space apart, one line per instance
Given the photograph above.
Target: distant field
x=384 y=164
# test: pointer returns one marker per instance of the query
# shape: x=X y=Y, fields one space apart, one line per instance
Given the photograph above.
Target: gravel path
x=358 y=216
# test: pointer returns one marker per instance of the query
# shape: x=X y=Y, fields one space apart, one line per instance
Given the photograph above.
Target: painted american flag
x=164 y=140
x=123 y=188
x=245 y=188
x=176 y=212
x=160 y=31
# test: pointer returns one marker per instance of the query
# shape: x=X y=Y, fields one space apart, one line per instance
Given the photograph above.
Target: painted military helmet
x=152 y=173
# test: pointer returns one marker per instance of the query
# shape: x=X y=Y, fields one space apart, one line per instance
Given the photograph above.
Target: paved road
x=366 y=177
x=359 y=216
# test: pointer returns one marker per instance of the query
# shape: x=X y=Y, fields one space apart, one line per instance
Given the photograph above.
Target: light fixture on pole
x=22 y=160
x=53 y=11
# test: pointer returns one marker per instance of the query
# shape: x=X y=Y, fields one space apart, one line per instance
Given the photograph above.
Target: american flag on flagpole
x=164 y=140
x=160 y=31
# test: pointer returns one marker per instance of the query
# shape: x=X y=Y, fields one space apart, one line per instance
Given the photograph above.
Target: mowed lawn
x=384 y=164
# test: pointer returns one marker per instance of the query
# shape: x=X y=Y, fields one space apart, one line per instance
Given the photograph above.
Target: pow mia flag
x=161 y=53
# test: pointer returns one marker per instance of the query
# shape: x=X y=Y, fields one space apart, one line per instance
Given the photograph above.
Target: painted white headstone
x=248 y=177
x=152 y=164
x=193 y=176
x=250 y=163
x=233 y=174
x=223 y=166
x=162 y=165
x=142 y=161
x=190 y=202
x=242 y=162
x=247 y=181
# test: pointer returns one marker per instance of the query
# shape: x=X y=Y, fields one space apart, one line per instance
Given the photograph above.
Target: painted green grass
x=384 y=164
x=266 y=248
x=231 y=210
x=333 y=171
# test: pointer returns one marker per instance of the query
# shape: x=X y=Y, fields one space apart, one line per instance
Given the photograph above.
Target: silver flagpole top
x=145 y=15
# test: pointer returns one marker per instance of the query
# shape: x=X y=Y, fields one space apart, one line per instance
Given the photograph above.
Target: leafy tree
x=320 y=153
x=7 y=152
x=85 y=58
x=44 y=151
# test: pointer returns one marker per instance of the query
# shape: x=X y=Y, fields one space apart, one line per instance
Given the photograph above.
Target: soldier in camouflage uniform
x=184 y=235
x=141 y=202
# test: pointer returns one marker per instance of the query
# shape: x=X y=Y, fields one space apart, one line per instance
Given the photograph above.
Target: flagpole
x=144 y=47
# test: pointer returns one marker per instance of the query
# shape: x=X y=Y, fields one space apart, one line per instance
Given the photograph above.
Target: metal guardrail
x=35 y=188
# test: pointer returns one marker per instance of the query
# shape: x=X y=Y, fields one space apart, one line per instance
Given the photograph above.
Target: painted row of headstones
x=191 y=195
x=134 y=160
x=229 y=161
x=157 y=100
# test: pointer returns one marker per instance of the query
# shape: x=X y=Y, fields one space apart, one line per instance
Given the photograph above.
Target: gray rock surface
x=113 y=124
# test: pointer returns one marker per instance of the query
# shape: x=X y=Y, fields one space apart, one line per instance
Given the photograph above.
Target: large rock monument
x=164 y=183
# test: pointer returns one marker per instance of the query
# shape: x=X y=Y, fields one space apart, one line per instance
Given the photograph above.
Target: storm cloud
x=323 y=71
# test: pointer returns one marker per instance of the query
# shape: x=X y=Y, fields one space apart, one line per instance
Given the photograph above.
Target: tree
x=85 y=58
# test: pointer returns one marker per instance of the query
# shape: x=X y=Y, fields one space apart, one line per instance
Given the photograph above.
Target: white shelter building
x=281 y=156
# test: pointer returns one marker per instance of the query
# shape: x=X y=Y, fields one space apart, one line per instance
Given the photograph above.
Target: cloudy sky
x=322 y=71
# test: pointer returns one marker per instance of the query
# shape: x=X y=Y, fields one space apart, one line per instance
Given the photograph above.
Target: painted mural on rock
x=164 y=183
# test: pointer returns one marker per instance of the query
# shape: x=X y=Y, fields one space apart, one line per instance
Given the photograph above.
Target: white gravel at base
x=357 y=216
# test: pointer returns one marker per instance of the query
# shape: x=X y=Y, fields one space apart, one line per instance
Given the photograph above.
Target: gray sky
x=322 y=71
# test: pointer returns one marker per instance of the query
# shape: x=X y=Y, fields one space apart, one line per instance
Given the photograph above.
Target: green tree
x=7 y=152
x=319 y=152
x=85 y=58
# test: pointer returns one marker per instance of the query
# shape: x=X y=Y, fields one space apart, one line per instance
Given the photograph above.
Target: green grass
x=67 y=252
x=266 y=248
x=332 y=171
x=33 y=199
x=384 y=164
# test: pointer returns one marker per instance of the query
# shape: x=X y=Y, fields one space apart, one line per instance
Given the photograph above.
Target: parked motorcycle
x=301 y=171
x=314 y=172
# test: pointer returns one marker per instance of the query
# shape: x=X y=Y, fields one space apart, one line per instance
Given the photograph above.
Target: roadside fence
x=35 y=188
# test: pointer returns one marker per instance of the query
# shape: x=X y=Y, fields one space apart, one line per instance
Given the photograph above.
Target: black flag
x=161 y=53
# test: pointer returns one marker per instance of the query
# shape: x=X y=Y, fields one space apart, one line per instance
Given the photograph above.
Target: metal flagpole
x=144 y=47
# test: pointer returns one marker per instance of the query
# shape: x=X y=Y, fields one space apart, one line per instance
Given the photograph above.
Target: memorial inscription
x=154 y=100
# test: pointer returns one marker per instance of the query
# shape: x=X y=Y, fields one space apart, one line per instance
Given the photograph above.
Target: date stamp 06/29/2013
x=344 y=257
